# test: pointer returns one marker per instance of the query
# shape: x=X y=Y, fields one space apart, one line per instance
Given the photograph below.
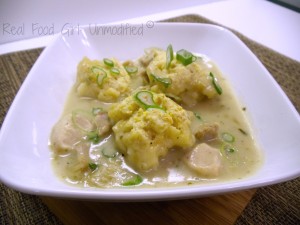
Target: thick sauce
x=239 y=153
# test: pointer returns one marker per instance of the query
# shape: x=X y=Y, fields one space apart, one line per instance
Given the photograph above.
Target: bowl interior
x=24 y=154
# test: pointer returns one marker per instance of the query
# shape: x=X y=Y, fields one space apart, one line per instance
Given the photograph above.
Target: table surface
x=222 y=209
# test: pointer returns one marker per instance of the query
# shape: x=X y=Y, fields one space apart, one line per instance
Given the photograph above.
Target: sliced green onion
x=93 y=166
x=185 y=57
x=101 y=74
x=97 y=69
x=197 y=116
x=145 y=99
x=131 y=69
x=109 y=152
x=115 y=71
x=108 y=62
x=83 y=120
x=227 y=148
x=134 y=181
x=96 y=111
x=94 y=137
x=174 y=97
x=163 y=80
x=228 y=137
x=169 y=56
x=156 y=108
x=100 y=78
x=215 y=83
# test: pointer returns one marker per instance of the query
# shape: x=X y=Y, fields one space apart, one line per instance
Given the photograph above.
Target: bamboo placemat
x=277 y=204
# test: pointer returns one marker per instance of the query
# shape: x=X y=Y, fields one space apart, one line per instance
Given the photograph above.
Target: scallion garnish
x=93 y=166
x=185 y=57
x=163 y=80
x=169 y=56
x=97 y=69
x=156 y=108
x=131 y=69
x=108 y=62
x=227 y=148
x=197 y=116
x=93 y=136
x=137 y=179
x=215 y=83
x=227 y=137
x=145 y=99
x=115 y=71
x=100 y=73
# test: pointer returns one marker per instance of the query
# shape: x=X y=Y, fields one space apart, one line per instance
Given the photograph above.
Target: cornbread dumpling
x=146 y=132
x=98 y=80
x=190 y=83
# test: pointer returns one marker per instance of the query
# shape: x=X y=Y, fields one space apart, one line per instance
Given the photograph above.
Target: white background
x=271 y=25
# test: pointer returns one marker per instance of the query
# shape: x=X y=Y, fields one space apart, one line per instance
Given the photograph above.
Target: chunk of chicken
x=102 y=122
x=70 y=131
x=204 y=160
x=147 y=58
x=65 y=136
x=206 y=132
x=69 y=135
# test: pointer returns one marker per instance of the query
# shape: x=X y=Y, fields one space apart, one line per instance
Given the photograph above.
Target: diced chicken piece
x=204 y=160
x=147 y=58
x=83 y=121
x=65 y=135
x=102 y=122
x=206 y=132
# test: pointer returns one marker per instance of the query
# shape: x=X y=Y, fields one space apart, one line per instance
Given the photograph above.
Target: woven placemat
x=15 y=207
x=277 y=204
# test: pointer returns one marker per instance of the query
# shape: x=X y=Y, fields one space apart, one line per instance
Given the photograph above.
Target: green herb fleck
x=134 y=181
x=93 y=136
x=215 y=83
x=93 y=166
x=242 y=131
x=197 y=116
x=227 y=148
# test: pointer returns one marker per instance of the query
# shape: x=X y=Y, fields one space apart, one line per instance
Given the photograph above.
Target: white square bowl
x=25 y=158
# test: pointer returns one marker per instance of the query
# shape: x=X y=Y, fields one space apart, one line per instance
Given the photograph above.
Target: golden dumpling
x=147 y=126
x=97 y=80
